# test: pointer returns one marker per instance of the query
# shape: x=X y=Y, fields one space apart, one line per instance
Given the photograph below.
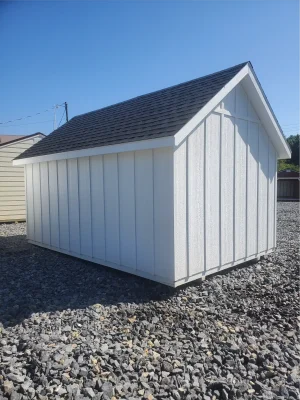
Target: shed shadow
x=37 y=280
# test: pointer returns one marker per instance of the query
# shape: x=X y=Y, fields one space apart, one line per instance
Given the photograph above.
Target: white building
x=172 y=186
x=12 y=189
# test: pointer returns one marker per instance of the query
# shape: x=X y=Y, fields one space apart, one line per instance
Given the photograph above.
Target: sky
x=96 y=53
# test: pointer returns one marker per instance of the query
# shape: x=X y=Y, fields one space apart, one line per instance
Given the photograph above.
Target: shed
x=12 y=190
x=288 y=186
x=171 y=186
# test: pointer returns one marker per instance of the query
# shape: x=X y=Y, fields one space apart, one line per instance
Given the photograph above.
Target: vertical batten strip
x=33 y=208
x=246 y=197
x=268 y=193
x=275 y=201
x=234 y=186
x=258 y=171
x=57 y=193
x=68 y=203
x=104 y=216
x=78 y=193
x=220 y=190
x=119 y=225
x=134 y=188
x=204 y=196
x=153 y=202
x=26 y=197
x=47 y=165
x=187 y=207
x=40 y=179
x=91 y=210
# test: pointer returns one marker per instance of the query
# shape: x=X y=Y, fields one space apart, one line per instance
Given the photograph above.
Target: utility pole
x=66 y=109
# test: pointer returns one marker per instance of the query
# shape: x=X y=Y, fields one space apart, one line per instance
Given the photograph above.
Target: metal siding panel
x=127 y=209
x=180 y=211
x=196 y=200
x=73 y=196
x=253 y=137
x=45 y=203
x=272 y=195
x=54 y=217
x=227 y=189
x=144 y=211
x=63 y=204
x=163 y=213
x=97 y=193
x=29 y=201
x=263 y=191
x=85 y=206
x=212 y=191
x=111 y=192
x=37 y=203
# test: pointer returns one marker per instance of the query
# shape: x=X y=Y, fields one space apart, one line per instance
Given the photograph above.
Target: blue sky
x=92 y=54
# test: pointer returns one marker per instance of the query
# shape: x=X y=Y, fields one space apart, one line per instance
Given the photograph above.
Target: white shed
x=171 y=186
x=12 y=190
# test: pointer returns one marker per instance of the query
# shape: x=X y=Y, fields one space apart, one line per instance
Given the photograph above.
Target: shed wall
x=114 y=209
x=12 y=182
x=224 y=191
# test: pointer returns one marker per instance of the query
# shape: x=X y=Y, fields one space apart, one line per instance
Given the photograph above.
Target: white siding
x=111 y=191
x=85 y=217
x=144 y=211
x=97 y=203
x=73 y=195
x=227 y=190
x=115 y=209
x=12 y=182
x=224 y=193
x=54 y=210
x=127 y=209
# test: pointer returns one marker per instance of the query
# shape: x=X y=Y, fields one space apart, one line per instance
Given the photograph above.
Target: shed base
x=200 y=276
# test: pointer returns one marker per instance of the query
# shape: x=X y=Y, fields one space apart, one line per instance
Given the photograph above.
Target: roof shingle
x=154 y=115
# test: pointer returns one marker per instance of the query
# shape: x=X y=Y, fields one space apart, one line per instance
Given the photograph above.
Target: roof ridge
x=161 y=90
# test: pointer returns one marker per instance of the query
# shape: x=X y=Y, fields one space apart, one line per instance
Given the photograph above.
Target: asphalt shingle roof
x=154 y=115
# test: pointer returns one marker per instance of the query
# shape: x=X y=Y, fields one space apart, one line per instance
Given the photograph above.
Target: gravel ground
x=74 y=330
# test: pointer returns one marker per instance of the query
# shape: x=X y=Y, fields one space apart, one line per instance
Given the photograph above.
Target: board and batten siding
x=224 y=191
x=12 y=181
x=112 y=209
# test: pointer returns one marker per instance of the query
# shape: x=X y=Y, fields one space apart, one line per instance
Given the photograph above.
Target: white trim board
x=95 y=151
x=21 y=140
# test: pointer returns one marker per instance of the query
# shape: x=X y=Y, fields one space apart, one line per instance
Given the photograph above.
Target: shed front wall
x=113 y=209
x=224 y=191
x=12 y=182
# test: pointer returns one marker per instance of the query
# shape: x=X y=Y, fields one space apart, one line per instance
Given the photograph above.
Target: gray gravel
x=74 y=330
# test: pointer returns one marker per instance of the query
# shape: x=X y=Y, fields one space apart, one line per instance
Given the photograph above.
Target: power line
x=30 y=116
x=29 y=123
x=61 y=118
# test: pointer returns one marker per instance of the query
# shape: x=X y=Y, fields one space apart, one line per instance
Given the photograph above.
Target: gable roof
x=155 y=115
x=18 y=138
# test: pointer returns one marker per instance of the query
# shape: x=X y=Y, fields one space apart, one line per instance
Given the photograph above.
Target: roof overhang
x=95 y=151
x=258 y=99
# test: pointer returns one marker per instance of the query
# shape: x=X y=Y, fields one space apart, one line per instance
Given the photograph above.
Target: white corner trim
x=211 y=105
x=94 y=151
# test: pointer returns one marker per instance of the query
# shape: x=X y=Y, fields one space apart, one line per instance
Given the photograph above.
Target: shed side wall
x=12 y=182
x=114 y=209
x=224 y=191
